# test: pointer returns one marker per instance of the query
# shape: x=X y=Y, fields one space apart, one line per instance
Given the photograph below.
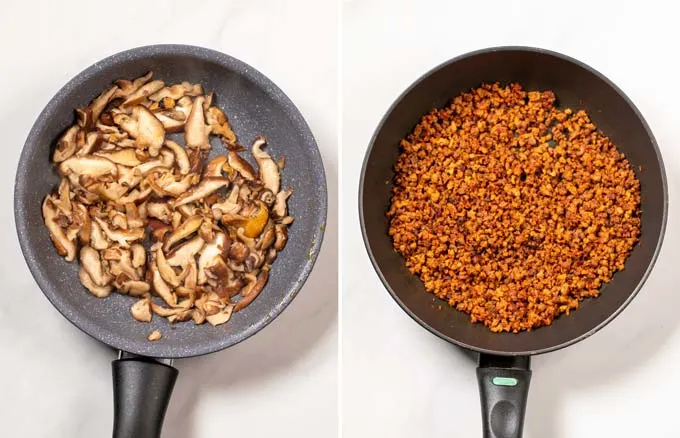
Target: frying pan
x=143 y=377
x=504 y=358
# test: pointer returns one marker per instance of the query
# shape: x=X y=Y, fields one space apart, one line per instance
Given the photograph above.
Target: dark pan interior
x=254 y=106
x=576 y=86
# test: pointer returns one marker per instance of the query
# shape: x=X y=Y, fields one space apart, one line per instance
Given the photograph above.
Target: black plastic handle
x=141 y=392
x=503 y=390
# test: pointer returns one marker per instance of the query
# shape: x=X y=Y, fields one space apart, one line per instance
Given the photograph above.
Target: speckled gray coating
x=255 y=106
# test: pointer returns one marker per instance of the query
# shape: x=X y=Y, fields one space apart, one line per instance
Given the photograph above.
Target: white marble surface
x=400 y=381
x=54 y=380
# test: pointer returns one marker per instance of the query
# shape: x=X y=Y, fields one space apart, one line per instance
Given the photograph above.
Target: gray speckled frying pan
x=255 y=106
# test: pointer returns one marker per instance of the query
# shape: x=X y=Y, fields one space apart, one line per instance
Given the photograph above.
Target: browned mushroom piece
x=97 y=291
x=220 y=125
x=127 y=87
x=159 y=210
x=267 y=238
x=124 y=157
x=135 y=288
x=89 y=116
x=141 y=310
x=92 y=263
x=143 y=92
x=268 y=170
x=238 y=252
x=177 y=91
x=241 y=166
x=196 y=132
x=66 y=146
x=211 y=255
x=65 y=246
x=181 y=157
x=155 y=335
x=220 y=317
x=281 y=204
x=150 y=131
x=88 y=165
x=167 y=272
x=214 y=167
x=281 y=237
x=123 y=237
x=252 y=290
x=186 y=229
x=93 y=141
x=161 y=287
x=206 y=187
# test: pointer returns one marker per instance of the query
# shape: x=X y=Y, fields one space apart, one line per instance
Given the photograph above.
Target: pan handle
x=142 y=388
x=503 y=390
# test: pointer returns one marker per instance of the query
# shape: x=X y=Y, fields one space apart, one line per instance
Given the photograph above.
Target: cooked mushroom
x=125 y=157
x=221 y=317
x=214 y=167
x=170 y=123
x=65 y=247
x=267 y=238
x=91 y=262
x=211 y=255
x=220 y=125
x=91 y=166
x=141 y=310
x=138 y=255
x=135 y=288
x=204 y=188
x=167 y=272
x=143 y=92
x=280 y=205
x=93 y=141
x=268 y=170
x=181 y=156
x=177 y=91
x=241 y=166
x=150 y=131
x=186 y=229
x=161 y=287
x=154 y=336
x=66 y=146
x=281 y=237
x=159 y=210
x=238 y=252
x=97 y=237
x=252 y=290
x=126 y=87
x=91 y=114
x=97 y=291
x=195 y=130
x=123 y=237
x=132 y=216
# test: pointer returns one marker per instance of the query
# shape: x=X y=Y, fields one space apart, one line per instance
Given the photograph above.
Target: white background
x=401 y=381
x=55 y=381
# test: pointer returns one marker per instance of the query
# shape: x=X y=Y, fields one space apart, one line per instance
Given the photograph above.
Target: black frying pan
x=504 y=371
x=142 y=381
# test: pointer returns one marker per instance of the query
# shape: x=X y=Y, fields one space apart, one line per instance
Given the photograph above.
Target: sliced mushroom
x=268 y=170
x=161 y=287
x=66 y=146
x=65 y=247
x=97 y=291
x=155 y=335
x=254 y=261
x=204 y=188
x=198 y=316
x=241 y=166
x=88 y=165
x=167 y=272
x=97 y=238
x=125 y=157
x=123 y=266
x=214 y=167
x=190 y=274
x=181 y=156
x=91 y=262
x=143 y=92
x=267 y=197
x=267 y=238
x=150 y=131
x=281 y=237
x=82 y=218
x=138 y=255
x=280 y=205
x=127 y=87
x=132 y=215
x=112 y=191
x=220 y=125
x=211 y=255
x=252 y=290
x=238 y=252
x=170 y=124
x=93 y=141
x=90 y=115
x=123 y=237
x=159 y=210
x=186 y=229
x=141 y=310
x=221 y=317
x=177 y=91
x=196 y=132
x=135 y=196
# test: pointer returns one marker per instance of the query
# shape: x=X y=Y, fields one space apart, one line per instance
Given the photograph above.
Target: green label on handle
x=504 y=381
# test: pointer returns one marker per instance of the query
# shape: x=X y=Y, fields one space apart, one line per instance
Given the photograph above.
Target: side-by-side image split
x=340 y=219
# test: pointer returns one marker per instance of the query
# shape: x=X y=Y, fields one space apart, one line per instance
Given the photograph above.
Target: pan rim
x=124 y=343
x=376 y=265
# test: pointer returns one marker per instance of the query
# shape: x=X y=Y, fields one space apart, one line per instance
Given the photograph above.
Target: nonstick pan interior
x=576 y=86
x=254 y=106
